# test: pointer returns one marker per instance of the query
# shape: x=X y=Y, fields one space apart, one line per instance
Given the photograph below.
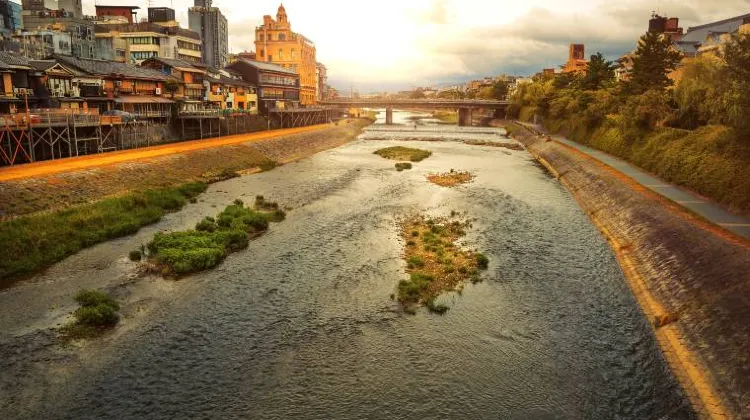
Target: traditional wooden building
x=277 y=87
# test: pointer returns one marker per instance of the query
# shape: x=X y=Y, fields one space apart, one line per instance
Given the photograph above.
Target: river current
x=301 y=324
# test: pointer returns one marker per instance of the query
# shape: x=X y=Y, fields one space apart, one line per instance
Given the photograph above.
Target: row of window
x=280 y=37
x=188 y=46
x=144 y=40
x=143 y=55
x=277 y=80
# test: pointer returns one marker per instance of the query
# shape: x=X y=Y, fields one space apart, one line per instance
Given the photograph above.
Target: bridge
x=464 y=106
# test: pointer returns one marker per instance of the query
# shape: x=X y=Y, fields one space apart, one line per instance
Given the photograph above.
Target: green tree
x=599 y=73
x=654 y=59
x=417 y=94
x=737 y=57
x=500 y=90
x=700 y=94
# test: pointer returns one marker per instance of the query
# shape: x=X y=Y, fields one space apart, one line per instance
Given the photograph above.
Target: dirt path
x=50 y=167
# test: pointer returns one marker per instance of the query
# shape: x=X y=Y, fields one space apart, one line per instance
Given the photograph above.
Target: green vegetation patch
x=435 y=263
x=38 y=241
x=404 y=154
x=203 y=248
x=97 y=312
x=402 y=166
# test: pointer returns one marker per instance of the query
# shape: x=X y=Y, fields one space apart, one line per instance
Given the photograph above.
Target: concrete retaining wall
x=691 y=278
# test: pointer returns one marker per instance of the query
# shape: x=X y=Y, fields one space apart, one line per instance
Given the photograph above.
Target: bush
x=482 y=261
x=97 y=309
x=206 y=225
x=416 y=261
x=135 y=255
x=38 y=241
x=268 y=165
x=437 y=308
x=403 y=166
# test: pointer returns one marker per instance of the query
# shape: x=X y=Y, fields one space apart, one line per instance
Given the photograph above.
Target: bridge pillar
x=388 y=116
x=464 y=117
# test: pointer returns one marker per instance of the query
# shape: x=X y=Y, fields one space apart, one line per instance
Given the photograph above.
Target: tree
x=454 y=93
x=654 y=59
x=599 y=73
x=417 y=94
x=500 y=90
x=737 y=57
x=171 y=87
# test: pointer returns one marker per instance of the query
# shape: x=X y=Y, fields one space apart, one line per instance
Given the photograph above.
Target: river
x=301 y=324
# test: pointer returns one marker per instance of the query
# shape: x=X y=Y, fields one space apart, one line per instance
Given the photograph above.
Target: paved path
x=688 y=199
x=50 y=167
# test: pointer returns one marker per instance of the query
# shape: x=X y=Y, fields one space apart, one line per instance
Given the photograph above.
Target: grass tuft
x=403 y=153
x=40 y=240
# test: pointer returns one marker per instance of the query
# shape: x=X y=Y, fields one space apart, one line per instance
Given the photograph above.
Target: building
x=109 y=85
x=276 y=43
x=670 y=27
x=277 y=87
x=124 y=13
x=11 y=16
x=576 y=59
x=322 y=81
x=711 y=33
x=142 y=41
x=161 y=15
x=67 y=18
x=213 y=28
x=38 y=45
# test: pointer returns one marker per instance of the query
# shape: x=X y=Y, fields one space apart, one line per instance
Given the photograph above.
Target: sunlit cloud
x=392 y=44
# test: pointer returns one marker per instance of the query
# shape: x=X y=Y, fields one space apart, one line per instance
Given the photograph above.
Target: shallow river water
x=301 y=325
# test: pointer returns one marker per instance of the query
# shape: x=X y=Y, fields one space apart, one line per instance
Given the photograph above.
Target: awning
x=142 y=100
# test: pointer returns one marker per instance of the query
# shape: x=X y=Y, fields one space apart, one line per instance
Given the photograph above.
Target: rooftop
x=267 y=66
x=109 y=68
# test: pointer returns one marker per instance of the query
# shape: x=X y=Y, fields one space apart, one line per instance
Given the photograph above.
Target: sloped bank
x=691 y=279
x=44 y=193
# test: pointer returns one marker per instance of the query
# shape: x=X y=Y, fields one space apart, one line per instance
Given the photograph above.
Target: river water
x=301 y=325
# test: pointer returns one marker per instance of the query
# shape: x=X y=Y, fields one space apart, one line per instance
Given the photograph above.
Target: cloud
x=414 y=42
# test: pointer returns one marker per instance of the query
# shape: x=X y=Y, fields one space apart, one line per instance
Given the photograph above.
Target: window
x=262 y=53
x=294 y=54
x=281 y=54
x=261 y=37
x=282 y=37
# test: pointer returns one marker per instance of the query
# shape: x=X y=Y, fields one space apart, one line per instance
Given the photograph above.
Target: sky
x=389 y=45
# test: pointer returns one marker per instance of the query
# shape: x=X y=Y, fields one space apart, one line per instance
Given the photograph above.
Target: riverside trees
x=694 y=132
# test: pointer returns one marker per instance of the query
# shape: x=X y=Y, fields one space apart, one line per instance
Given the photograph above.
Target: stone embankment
x=691 y=278
x=42 y=193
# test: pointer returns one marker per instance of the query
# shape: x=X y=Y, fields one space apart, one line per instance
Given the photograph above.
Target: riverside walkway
x=50 y=167
x=702 y=206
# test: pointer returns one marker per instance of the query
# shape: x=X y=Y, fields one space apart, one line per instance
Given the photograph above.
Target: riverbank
x=54 y=216
x=706 y=160
x=690 y=278
x=160 y=167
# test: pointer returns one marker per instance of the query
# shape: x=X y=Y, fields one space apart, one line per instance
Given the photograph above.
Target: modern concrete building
x=148 y=40
x=38 y=15
x=322 y=73
x=695 y=37
x=276 y=43
x=126 y=13
x=38 y=45
x=213 y=28
x=10 y=16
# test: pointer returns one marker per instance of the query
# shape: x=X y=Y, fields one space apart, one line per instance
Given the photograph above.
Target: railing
x=49 y=117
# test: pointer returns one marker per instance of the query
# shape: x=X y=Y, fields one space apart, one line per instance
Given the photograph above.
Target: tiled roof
x=267 y=66
x=108 y=68
x=42 y=65
x=13 y=60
